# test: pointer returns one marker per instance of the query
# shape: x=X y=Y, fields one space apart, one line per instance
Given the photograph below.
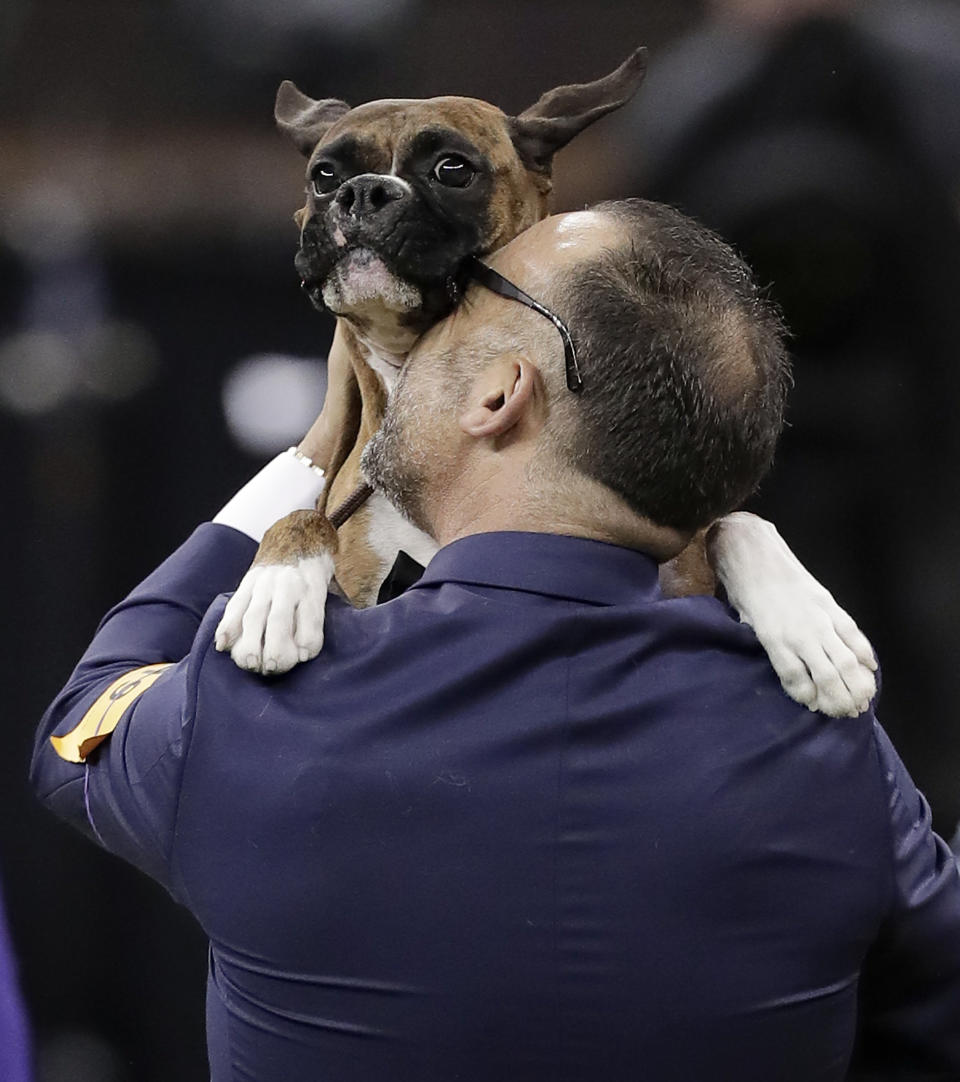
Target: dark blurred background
x=155 y=348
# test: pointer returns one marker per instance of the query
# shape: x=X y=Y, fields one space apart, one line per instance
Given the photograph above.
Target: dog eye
x=324 y=179
x=454 y=171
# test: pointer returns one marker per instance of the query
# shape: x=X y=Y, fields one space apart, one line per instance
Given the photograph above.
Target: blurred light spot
x=349 y=17
x=270 y=400
x=342 y=18
x=121 y=359
x=39 y=370
x=47 y=224
x=254 y=33
x=79 y=1056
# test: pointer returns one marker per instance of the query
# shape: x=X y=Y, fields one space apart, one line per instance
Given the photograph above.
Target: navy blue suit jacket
x=530 y=821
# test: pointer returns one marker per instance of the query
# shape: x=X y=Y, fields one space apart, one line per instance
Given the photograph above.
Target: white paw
x=275 y=619
x=822 y=658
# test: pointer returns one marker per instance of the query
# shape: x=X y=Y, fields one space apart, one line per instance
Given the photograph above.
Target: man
x=529 y=821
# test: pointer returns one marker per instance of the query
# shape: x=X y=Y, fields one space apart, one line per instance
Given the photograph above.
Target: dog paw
x=275 y=618
x=822 y=658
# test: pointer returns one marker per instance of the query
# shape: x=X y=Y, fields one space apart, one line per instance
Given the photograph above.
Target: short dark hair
x=684 y=367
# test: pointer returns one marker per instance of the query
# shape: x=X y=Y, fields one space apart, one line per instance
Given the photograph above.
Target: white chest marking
x=384 y=367
x=389 y=532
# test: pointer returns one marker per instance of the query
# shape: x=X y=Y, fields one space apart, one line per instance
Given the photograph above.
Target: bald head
x=684 y=366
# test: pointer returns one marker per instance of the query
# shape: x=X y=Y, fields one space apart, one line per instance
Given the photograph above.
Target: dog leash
x=352 y=503
x=405 y=571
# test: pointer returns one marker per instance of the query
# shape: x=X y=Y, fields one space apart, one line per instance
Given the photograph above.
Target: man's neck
x=511 y=501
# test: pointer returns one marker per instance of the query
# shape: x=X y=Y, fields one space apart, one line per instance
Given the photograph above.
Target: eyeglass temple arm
x=495 y=282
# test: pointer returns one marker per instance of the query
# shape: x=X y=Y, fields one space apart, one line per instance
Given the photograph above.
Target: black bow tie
x=404 y=573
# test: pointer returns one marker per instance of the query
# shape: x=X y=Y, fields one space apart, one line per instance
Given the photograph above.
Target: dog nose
x=368 y=193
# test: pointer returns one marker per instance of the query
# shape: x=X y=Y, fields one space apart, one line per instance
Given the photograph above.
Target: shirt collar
x=576 y=568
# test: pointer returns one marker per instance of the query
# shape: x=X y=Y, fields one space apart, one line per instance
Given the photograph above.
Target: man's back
x=531 y=821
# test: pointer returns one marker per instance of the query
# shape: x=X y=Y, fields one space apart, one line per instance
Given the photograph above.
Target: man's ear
x=540 y=131
x=306 y=121
x=500 y=397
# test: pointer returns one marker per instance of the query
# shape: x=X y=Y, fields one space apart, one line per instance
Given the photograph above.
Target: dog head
x=400 y=192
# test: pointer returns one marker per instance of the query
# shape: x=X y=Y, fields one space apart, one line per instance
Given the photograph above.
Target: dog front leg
x=275 y=619
x=822 y=658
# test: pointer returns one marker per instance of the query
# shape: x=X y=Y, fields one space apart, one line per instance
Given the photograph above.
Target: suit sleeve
x=910 y=983
x=137 y=684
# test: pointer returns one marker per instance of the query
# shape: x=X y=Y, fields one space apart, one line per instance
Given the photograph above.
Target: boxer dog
x=400 y=193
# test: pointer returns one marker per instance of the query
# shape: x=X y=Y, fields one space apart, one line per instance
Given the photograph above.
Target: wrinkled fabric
x=528 y=821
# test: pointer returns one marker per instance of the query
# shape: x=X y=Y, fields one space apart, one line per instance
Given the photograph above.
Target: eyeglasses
x=496 y=283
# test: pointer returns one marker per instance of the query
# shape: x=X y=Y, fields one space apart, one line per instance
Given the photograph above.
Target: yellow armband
x=103 y=717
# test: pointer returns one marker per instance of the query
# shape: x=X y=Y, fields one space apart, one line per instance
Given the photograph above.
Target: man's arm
x=910 y=982
x=136 y=683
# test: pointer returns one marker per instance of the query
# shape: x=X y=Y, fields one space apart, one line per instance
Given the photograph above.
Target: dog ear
x=306 y=121
x=540 y=131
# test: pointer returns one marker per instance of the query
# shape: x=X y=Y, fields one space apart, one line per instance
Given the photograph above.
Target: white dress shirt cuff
x=288 y=483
